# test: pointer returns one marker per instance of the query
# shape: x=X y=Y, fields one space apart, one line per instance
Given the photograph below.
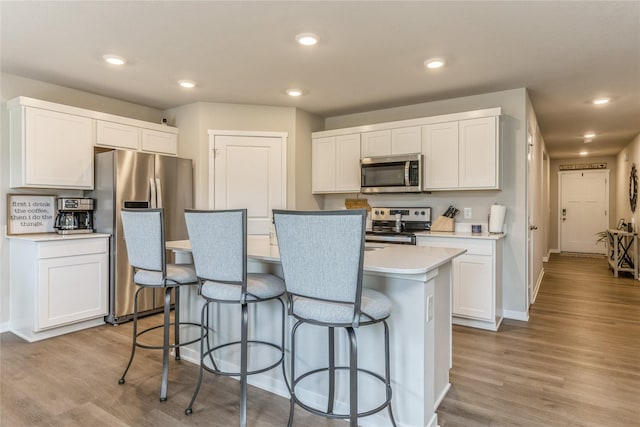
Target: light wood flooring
x=575 y=363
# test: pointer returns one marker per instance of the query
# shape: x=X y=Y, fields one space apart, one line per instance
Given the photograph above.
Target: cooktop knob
x=422 y=213
x=416 y=213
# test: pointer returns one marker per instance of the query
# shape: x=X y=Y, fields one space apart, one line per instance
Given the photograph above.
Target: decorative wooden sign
x=583 y=166
x=28 y=213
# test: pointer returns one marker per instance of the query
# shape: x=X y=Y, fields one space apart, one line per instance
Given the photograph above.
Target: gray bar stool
x=322 y=255
x=145 y=242
x=219 y=248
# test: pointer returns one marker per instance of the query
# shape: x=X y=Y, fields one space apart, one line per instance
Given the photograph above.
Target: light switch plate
x=467 y=213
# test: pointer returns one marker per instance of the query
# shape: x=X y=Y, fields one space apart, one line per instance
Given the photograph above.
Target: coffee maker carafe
x=75 y=215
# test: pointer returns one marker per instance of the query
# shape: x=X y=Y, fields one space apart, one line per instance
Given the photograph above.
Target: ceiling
x=370 y=56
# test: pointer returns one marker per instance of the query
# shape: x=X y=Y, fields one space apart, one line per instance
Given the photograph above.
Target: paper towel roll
x=496 y=218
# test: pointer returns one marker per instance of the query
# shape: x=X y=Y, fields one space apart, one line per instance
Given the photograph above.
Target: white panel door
x=250 y=172
x=473 y=286
x=478 y=153
x=347 y=163
x=323 y=164
x=584 y=210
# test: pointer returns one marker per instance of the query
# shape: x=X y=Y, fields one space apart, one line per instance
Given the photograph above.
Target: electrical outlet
x=467 y=213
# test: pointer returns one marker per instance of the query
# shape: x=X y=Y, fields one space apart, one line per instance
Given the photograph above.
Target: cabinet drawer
x=473 y=246
x=71 y=247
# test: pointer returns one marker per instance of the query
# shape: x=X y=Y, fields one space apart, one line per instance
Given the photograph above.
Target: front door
x=584 y=210
x=249 y=171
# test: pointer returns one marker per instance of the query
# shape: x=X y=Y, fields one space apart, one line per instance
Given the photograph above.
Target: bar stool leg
x=331 y=370
x=135 y=336
x=243 y=365
x=387 y=370
x=353 y=377
x=293 y=372
x=204 y=322
x=165 y=344
x=176 y=320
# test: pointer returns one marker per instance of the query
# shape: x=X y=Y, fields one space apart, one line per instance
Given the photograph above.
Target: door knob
x=533 y=227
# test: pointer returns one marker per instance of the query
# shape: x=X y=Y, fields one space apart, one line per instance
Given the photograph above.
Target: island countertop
x=380 y=258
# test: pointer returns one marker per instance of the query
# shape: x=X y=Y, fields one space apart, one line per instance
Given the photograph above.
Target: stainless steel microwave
x=393 y=174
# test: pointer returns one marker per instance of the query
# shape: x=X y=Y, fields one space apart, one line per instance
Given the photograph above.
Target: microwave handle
x=407 y=181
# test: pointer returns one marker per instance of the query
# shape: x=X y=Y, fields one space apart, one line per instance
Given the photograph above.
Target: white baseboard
x=5 y=327
x=516 y=315
x=536 y=288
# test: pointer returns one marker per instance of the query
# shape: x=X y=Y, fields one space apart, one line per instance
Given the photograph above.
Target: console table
x=622 y=251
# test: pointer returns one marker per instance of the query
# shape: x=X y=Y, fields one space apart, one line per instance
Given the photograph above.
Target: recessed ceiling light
x=600 y=101
x=294 y=92
x=583 y=153
x=188 y=84
x=307 y=39
x=434 y=63
x=114 y=59
x=589 y=135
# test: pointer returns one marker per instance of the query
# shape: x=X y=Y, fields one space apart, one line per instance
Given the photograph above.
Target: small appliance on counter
x=75 y=215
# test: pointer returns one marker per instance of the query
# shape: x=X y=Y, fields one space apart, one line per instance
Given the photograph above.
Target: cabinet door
x=375 y=144
x=71 y=289
x=478 y=153
x=117 y=135
x=406 y=140
x=440 y=152
x=159 y=142
x=323 y=165
x=348 y=163
x=473 y=286
x=58 y=150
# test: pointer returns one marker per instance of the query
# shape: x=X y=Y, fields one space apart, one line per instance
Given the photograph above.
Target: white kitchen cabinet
x=391 y=142
x=336 y=164
x=461 y=155
x=50 y=149
x=478 y=156
x=117 y=135
x=477 y=279
x=440 y=156
x=159 y=142
x=58 y=284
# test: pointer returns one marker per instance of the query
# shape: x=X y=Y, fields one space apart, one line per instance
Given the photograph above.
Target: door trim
x=267 y=134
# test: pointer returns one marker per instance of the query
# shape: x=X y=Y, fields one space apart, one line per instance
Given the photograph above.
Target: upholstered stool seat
x=145 y=245
x=322 y=255
x=219 y=248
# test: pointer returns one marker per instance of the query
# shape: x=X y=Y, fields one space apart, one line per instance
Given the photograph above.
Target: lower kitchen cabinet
x=59 y=284
x=477 y=279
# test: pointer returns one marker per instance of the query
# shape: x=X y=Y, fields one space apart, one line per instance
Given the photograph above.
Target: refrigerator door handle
x=152 y=193
x=158 y=193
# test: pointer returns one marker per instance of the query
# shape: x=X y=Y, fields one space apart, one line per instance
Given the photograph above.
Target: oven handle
x=403 y=240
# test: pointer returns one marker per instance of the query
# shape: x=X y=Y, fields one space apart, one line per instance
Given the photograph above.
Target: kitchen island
x=417 y=280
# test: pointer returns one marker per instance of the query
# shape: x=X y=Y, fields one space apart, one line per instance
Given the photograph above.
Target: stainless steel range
x=398 y=225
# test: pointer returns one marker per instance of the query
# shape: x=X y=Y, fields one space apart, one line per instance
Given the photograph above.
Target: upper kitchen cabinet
x=336 y=164
x=110 y=134
x=389 y=142
x=462 y=155
x=52 y=145
x=50 y=149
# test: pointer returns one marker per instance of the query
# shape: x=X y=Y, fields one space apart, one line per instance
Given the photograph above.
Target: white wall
x=12 y=86
x=628 y=156
x=195 y=120
x=513 y=193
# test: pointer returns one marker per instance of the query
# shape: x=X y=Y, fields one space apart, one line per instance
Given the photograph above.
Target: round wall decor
x=633 y=188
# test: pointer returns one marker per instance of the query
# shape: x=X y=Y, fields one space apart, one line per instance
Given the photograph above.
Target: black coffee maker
x=75 y=215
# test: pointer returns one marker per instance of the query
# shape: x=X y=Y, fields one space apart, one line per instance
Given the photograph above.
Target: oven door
x=394 y=238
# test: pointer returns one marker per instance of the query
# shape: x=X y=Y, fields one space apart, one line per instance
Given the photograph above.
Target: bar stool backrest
x=322 y=254
x=219 y=244
x=144 y=237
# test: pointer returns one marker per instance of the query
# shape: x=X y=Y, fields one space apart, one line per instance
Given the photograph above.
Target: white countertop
x=381 y=258
x=46 y=237
x=461 y=235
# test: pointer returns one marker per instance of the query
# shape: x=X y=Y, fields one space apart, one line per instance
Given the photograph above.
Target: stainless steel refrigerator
x=133 y=179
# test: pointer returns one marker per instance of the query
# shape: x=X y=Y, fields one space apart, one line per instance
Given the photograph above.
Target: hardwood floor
x=575 y=363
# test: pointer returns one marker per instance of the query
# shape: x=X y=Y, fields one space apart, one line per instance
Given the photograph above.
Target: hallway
x=575 y=363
